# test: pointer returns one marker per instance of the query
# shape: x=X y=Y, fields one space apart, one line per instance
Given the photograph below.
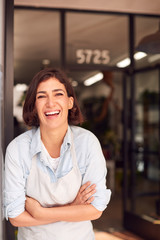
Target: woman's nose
x=50 y=102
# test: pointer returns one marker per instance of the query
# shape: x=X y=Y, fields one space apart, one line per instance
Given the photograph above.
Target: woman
x=56 y=165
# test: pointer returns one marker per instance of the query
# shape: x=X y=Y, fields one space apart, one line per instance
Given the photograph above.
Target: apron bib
x=63 y=191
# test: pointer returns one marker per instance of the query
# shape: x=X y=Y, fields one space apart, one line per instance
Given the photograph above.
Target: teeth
x=51 y=113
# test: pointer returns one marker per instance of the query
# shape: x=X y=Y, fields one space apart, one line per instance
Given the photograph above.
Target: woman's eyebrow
x=55 y=90
x=41 y=92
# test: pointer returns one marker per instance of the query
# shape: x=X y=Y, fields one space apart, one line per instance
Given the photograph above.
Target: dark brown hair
x=30 y=115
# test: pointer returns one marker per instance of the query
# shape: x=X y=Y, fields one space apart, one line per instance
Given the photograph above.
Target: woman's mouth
x=53 y=113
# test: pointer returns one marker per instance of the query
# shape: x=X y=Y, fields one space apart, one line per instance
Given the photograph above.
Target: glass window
x=145 y=175
x=96 y=39
x=101 y=104
x=36 y=46
x=147 y=141
x=146 y=41
x=36 y=42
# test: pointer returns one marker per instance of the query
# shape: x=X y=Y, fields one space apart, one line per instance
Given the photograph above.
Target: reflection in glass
x=36 y=42
x=94 y=39
x=147 y=143
x=146 y=27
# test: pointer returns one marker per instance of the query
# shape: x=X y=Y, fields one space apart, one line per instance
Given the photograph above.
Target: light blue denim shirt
x=19 y=156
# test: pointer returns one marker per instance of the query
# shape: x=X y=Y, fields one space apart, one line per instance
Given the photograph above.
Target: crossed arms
x=80 y=209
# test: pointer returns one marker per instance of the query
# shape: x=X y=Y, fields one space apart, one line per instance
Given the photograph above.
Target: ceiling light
x=74 y=83
x=94 y=79
x=46 y=62
x=154 y=58
x=21 y=87
x=139 y=55
x=124 y=63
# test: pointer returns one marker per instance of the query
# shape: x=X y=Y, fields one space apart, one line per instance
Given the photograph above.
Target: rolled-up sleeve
x=14 y=184
x=96 y=173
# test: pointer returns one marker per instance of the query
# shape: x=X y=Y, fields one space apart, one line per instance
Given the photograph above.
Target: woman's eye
x=41 y=96
x=59 y=94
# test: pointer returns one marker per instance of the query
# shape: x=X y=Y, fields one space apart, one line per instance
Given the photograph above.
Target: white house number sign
x=88 y=56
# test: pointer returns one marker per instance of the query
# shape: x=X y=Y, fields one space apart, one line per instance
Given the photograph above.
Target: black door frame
x=9 y=82
x=132 y=221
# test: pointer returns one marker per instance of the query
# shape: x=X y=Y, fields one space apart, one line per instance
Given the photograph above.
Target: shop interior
x=117 y=85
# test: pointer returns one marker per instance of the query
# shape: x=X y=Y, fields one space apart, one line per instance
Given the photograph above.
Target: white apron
x=40 y=187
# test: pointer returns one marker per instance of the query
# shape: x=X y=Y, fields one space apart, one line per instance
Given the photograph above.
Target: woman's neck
x=53 y=139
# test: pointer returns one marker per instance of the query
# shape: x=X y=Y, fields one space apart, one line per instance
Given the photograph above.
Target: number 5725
x=88 y=56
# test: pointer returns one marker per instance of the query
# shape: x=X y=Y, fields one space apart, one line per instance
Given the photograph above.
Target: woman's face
x=52 y=104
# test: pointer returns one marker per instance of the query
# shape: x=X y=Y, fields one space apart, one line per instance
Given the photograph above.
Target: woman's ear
x=71 y=103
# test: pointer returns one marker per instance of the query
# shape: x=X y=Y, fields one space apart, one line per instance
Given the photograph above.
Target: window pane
x=144 y=27
x=147 y=142
x=96 y=39
x=36 y=42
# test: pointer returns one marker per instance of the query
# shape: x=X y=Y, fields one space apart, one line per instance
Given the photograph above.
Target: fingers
x=29 y=199
x=87 y=195
x=87 y=192
x=89 y=200
x=84 y=186
x=88 y=189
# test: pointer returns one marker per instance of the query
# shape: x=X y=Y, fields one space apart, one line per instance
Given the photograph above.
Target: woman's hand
x=85 y=194
x=32 y=206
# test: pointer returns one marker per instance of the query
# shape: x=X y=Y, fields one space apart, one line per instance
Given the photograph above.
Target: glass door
x=142 y=163
x=147 y=144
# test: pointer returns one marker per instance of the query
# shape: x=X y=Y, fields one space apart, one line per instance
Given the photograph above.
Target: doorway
x=102 y=107
x=142 y=162
x=79 y=39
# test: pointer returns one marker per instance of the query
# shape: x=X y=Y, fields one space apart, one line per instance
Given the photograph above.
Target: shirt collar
x=67 y=138
x=36 y=142
x=67 y=141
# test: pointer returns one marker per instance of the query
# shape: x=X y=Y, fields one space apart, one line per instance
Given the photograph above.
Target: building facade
x=122 y=108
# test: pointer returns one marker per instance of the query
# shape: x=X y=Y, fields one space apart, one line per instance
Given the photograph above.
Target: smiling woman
x=29 y=113
x=52 y=105
x=55 y=172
